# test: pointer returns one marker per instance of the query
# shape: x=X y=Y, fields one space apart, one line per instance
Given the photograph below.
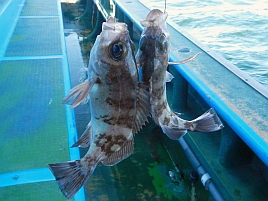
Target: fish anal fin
x=125 y=151
x=79 y=94
x=70 y=176
x=85 y=139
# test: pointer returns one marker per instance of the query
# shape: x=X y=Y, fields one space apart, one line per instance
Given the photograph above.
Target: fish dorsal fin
x=85 y=139
x=155 y=18
x=79 y=94
x=143 y=107
x=125 y=151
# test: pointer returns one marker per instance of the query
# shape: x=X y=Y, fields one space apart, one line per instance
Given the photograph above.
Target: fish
x=119 y=106
x=152 y=60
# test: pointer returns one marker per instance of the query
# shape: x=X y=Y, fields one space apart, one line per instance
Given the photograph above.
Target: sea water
x=235 y=29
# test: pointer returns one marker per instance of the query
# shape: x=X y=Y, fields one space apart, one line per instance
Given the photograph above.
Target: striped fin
x=79 y=94
x=173 y=133
x=71 y=175
x=142 y=107
x=85 y=139
x=207 y=122
x=125 y=151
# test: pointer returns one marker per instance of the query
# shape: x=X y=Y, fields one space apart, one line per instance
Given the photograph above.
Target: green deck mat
x=39 y=8
x=33 y=120
x=34 y=37
x=43 y=191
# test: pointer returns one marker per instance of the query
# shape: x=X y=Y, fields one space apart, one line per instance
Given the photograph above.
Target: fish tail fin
x=207 y=122
x=85 y=139
x=71 y=176
x=173 y=132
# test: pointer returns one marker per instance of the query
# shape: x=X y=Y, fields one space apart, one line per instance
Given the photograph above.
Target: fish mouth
x=112 y=25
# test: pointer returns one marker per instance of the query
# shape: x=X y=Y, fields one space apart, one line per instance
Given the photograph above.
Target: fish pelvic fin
x=85 y=139
x=143 y=107
x=79 y=94
x=207 y=122
x=125 y=151
x=71 y=176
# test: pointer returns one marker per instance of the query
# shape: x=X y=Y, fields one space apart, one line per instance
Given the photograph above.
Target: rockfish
x=152 y=58
x=119 y=107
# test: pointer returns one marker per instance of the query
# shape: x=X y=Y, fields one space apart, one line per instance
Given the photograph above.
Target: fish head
x=113 y=50
x=154 y=43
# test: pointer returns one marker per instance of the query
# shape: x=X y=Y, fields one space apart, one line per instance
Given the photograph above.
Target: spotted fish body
x=119 y=107
x=152 y=57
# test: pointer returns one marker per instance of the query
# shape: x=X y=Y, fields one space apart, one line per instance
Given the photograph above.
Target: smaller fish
x=152 y=57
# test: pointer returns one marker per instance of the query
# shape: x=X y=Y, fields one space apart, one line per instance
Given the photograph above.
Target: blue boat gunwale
x=246 y=133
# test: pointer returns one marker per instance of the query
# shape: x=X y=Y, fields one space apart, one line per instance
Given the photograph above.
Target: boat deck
x=35 y=127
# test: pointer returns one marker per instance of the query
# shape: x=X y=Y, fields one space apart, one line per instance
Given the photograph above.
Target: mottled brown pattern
x=166 y=120
x=109 y=101
x=159 y=108
x=188 y=125
x=107 y=142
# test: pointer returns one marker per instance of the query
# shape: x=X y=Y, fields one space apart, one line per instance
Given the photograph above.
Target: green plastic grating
x=35 y=36
x=39 y=8
x=42 y=191
x=33 y=120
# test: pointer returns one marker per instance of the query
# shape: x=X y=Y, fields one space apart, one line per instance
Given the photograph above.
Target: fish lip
x=116 y=27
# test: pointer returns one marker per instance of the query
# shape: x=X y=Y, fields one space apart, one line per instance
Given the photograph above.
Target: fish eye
x=163 y=43
x=142 y=43
x=117 y=50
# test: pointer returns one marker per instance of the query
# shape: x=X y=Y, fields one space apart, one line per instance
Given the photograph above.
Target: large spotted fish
x=152 y=58
x=119 y=107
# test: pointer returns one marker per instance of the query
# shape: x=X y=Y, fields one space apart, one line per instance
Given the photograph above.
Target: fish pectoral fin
x=125 y=151
x=169 y=76
x=85 y=139
x=70 y=176
x=207 y=122
x=185 y=60
x=173 y=132
x=143 y=107
x=79 y=94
